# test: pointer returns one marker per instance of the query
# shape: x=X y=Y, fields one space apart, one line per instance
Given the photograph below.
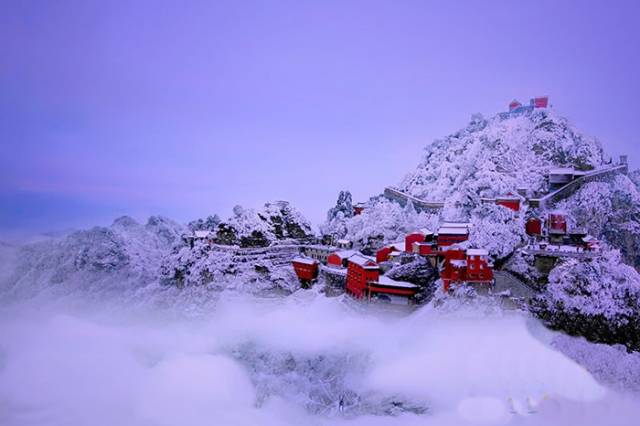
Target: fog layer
x=290 y=361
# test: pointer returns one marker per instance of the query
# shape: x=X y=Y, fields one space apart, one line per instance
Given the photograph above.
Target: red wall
x=541 y=102
x=412 y=238
x=426 y=250
x=557 y=222
x=447 y=240
x=510 y=204
x=478 y=269
x=305 y=271
x=382 y=255
x=357 y=278
x=534 y=227
x=334 y=259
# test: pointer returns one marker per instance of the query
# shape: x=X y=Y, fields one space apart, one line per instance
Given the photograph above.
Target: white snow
x=562 y=171
x=477 y=252
x=390 y=282
x=202 y=234
x=452 y=231
x=497 y=155
x=304 y=260
x=604 y=286
x=363 y=261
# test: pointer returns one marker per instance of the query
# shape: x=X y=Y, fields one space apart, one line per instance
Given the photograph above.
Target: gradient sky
x=188 y=108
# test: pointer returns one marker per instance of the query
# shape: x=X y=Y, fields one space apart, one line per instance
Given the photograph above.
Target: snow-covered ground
x=291 y=360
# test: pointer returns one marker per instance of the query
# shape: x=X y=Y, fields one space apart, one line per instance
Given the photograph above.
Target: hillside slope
x=498 y=155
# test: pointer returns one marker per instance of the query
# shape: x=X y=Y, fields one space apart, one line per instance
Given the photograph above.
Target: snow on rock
x=246 y=257
x=259 y=228
x=219 y=268
x=598 y=299
x=419 y=272
x=343 y=208
x=319 y=382
x=210 y=223
x=498 y=155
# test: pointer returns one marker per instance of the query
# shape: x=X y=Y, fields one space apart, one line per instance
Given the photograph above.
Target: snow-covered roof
x=396 y=244
x=453 y=231
x=202 y=234
x=562 y=171
x=477 y=252
x=343 y=242
x=395 y=253
x=345 y=254
x=362 y=260
x=458 y=246
x=384 y=280
x=455 y=225
x=304 y=260
x=509 y=197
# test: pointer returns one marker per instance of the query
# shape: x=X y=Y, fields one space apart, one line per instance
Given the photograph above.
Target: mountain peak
x=497 y=155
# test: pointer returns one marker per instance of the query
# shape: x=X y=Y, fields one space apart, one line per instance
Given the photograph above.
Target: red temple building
x=306 y=268
x=556 y=227
x=452 y=233
x=472 y=266
x=360 y=271
x=386 y=252
x=391 y=291
x=541 y=102
x=358 y=208
x=340 y=258
x=417 y=237
x=534 y=226
x=509 y=201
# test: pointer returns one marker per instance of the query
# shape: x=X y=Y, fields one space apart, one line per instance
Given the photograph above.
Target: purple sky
x=188 y=108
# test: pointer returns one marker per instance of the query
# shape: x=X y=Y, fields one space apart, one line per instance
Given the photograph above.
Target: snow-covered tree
x=210 y=223
x=609 y=210
x=497 y=155
x=385 y=221
x=497 y=229
x=344 y=205
x=259 y=228
x=598 y=299
x=338 y=215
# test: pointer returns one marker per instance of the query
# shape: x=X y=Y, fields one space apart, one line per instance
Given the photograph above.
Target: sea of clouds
x=304 y=359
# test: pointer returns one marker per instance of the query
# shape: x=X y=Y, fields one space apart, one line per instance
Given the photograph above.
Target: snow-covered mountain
x=241 y=256
x=275 y=221
x=128 y=256
x=123 y=255
x=498 y=155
